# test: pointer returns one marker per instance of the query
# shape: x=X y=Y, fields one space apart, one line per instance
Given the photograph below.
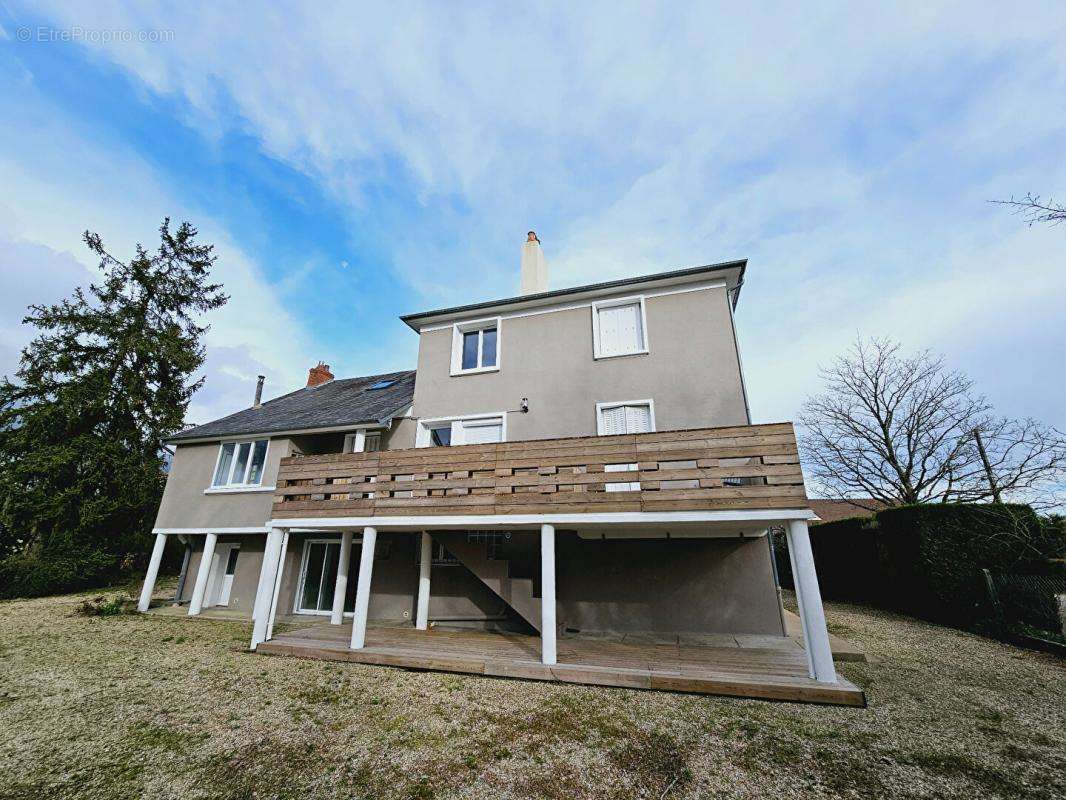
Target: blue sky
x=355 y=164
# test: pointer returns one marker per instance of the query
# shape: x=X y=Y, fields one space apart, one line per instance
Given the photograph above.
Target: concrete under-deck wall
x=613 y=585
x=666 y=585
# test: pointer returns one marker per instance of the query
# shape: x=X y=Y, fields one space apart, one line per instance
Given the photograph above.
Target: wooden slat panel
x=677 y=470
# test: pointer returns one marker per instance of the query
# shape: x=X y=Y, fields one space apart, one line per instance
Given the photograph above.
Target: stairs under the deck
x=495 y=574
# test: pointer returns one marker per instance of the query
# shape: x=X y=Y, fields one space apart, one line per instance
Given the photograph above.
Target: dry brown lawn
x=132 y=706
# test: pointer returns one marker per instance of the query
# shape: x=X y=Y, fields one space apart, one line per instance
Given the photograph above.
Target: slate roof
x=741 y=264
x=342 y=402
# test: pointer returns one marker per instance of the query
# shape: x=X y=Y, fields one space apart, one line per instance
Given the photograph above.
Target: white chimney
x=534 y=269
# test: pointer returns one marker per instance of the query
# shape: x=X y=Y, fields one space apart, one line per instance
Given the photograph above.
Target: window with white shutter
x=637 y=416
x=618 y=328
x=462 y=430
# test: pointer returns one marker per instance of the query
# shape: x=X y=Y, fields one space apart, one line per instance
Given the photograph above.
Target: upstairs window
x=240 y=463
x=619 y=328
x=476 y=346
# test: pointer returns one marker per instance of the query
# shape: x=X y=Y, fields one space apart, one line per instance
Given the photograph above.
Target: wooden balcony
x=714 y=469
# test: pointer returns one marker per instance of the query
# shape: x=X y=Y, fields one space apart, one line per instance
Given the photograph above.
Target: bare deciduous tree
x=1034 y=210
x=906 y=429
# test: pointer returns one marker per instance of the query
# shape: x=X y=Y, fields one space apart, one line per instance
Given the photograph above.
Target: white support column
x=424 y=565
x=362 y=589
x=262 y=573
x=341 y=588
x=809 y=599
x=264 y=597
x=547 y=593
x=203 y=574
x=153 y=572
x=277 y=585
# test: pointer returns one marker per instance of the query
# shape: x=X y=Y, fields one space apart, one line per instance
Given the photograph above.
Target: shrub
x=35 y=572
x=928 y=561
x=102 y=607
x=845 y=554
x=931 y=557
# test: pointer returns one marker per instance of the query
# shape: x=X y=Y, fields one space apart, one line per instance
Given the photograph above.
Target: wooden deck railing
x=744 y=467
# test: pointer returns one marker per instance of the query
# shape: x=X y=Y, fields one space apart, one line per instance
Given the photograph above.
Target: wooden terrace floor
x=771 y=673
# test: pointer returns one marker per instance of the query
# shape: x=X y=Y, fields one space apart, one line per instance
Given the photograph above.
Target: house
x=833 y=510
x=567 y=477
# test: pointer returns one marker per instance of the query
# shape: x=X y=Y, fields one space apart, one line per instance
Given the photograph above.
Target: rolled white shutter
x=482 y=434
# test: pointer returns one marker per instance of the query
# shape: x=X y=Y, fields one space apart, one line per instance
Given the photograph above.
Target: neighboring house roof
x=832 y=510
x=346 y=402
x=413 y=320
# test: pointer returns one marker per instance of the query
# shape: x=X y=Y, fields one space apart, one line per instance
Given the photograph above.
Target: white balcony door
x=634 y=418
x=620 y=418
x=469 y=430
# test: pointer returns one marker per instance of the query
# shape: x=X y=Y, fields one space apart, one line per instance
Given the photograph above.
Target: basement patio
x=770 y=668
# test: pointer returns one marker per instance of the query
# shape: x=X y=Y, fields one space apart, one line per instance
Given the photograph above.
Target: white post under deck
x=341 y=588
x=280 y=569
x=425 y=564
x=153 y=572
x=547 y=593
x=809 y=600
x=265 y=594
x=203 y=574
x=362 y=589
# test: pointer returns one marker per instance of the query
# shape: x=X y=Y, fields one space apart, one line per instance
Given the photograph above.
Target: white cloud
x=848 y=152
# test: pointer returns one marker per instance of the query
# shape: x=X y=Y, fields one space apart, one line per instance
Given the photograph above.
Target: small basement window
x=476 y=346
x=240 y=463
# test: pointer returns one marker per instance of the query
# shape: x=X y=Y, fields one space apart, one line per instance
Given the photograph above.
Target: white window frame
x=243 y=486
x=459 y=328
x=458 y=425
x=597 y=352
x=601 y=407
x=356 y=442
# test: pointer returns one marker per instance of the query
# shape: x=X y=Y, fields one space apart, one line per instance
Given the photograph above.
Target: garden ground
x=142 y=705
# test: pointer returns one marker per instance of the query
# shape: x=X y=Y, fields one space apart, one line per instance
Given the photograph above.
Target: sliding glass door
x=318 y=576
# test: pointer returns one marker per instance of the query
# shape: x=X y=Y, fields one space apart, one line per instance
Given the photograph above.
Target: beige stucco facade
x=691 y=370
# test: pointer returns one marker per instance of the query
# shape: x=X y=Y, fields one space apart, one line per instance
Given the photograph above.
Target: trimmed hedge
x=931 y=557
x=927 y=560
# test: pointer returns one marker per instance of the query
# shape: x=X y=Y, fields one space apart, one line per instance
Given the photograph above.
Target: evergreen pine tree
x=106 y=380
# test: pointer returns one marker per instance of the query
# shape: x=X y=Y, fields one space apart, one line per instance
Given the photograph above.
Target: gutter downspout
x=731 y=302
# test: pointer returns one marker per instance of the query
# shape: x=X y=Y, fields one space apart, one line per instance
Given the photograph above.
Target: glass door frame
x=353 y=576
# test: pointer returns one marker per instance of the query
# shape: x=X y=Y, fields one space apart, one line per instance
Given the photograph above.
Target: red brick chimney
x=318 y=375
